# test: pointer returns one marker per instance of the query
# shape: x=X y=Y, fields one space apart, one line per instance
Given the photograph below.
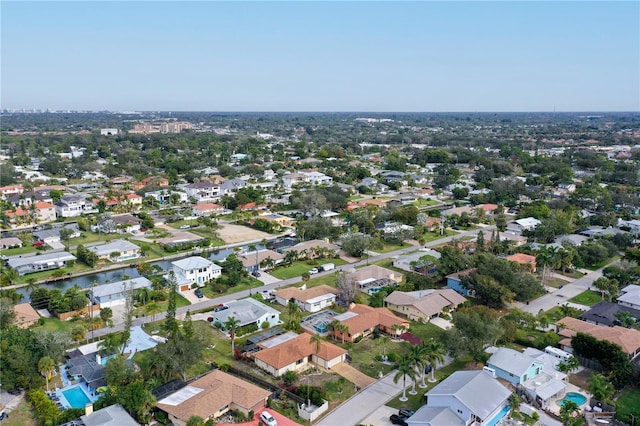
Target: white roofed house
x=373 y=278
x=630 y=296
x=194 y=270
x=203 y=191
x=423 y=304
x=247 y=311
x=115 y=293
x=72 y=205
x=116 y=251
x=45 y=262
x=464 y=398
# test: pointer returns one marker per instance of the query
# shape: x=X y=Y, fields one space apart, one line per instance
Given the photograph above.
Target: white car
x=268 y=419
x=313 y=271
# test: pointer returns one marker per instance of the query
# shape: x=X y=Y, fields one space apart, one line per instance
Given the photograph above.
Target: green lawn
x=555 y=282
x=54 y=324
x=244 y=284
x=300 y=267
x=572 y=274
x=180 y=302
x=426 y=331
x=587 y=298
x=603 y=263
x=628 y=403
x=363 y=354
x=391 y=247
x=21 y=416
x=18 y=251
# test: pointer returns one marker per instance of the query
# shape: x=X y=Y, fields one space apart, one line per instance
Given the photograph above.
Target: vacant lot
x=232 y=234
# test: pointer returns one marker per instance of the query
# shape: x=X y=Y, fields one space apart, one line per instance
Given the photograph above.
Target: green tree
x=78 y=332
x=404 y=369
x=46 y=367
x=231 y=325
x=170 y=322
x=514 y=402
x=569 y=365
x=110 y=344
x=106 y=314
x=568 y=411
x=607 y=286
x=434 y=353
x=601 y=388
x=316 y=341
x=475 y=329
x=195 y=421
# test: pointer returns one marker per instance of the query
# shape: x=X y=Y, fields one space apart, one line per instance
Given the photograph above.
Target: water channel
x=85 y=281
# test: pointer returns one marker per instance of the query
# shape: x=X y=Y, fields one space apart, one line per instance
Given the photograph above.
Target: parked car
x=313 y=271
x=405 y=413
x=199 y=293
x=268 y=419
x=397 y=420
x=185 y=227
x=256 y=273
x=220 y=308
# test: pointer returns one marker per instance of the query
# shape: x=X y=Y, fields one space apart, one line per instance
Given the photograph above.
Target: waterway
x=128 y=272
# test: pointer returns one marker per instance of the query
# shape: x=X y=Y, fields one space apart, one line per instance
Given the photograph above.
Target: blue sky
x=321 y=56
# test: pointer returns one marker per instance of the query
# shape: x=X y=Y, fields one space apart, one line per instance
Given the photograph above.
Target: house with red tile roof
x=525 y=260
x=39 y=212
x=296 y=353
x=362 y=320
x=25 y=315
x=627 y=338
x=206 y=209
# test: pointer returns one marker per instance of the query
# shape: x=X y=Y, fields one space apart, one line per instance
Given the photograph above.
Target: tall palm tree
x=109 y=344
x=434 y=353
x=316 y=340
x=383 y=341
x=417 y=355
x=397 y=329
x=232 y=324
x=46 y=367
x=404 y=369
x=333 y=326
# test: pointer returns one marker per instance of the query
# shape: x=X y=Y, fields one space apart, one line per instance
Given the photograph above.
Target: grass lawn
x=417 y=401
x=21 y=416
x=54 y=324
x=555 y=282
x=432 y=236
x=363 y=354
x=301 y=266
x=386 y=248
x=572 y=274
x=587 y=298
x=244 y=284
x=180 y=302
x=426 y=331
x=628 y=403
x=20 y=250
x=603 y=263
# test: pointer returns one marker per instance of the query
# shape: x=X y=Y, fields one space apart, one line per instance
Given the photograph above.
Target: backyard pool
x=76 y=397
x=578 y=398
x=499 y=416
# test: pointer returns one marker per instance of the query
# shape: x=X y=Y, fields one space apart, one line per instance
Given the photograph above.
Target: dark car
x=397 y=420
x=220 y=308
x=256 y=273
x=199 y=293
x=405 y=413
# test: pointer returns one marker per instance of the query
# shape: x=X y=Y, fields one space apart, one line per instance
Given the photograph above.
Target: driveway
x=191 y=296
x=380 y=417
x=267 y=279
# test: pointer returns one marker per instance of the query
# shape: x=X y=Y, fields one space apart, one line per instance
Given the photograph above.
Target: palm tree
x=316 y=340
x=333 y=326
x=383 y=341
x=567 y=411
x=10 y=275
x=434 y=353
x=600 y=387
x=397 y=328
x=46 y=367
x=404 y=369
x=110 y=344
x=142 y=295
x=232 y=324
x=417 y=355
x=547 y=256
x=343 y=328
x=569 y=365
x=32 y=284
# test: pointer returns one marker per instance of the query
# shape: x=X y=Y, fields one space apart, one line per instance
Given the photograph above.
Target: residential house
x=464 y=398
x=606 y=313
x=297 y=354
x=284 y=221
x=86 y=368
x=164 y=196
x=10 y=242
x=206 y=209
x=39 y=212
x=458 y=211
x=313 y=178
x=627 y=338
x=413 y=261
x=516 y=240
x=454 y=282
x=203 y=191
x=633 y=225
x=25 y=315
x=115 y=293
x=524 y=224
x=73 y=205
x=151 y=181
x=27 y=198
x=362 y=320
x=260 y=259
x=513 y=366
x=247 y=311
x=52 y=238
x=113 y=415
x=45 y=262
x=211 y=396
x=194 y=270
x=232 y=185
x=423 y=304
x=116 y=251
x=525 y=261
x=313 y=299
x=121 y=224
x=373 y=278
x=630 y=296
x=571 y=239
x=311 y=247
x=10 y=190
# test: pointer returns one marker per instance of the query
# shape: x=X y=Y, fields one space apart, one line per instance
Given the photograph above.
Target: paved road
x=210 y=303
x=562 y=295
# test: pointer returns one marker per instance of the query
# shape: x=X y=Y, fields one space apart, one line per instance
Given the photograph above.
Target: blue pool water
x=499 y=416
x=76 y=397
x=575 y=397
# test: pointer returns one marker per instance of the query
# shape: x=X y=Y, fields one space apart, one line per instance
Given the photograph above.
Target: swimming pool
x=499 y=416
x=76 y=397
x=575 y=397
